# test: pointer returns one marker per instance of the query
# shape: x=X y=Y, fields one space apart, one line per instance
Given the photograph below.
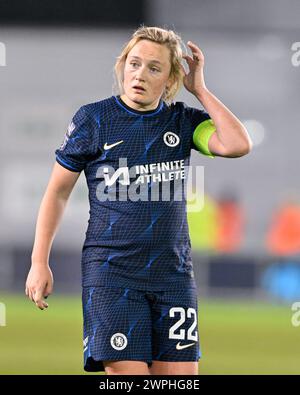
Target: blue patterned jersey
x=135 y=163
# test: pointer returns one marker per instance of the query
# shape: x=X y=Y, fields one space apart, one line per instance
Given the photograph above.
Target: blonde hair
x=161 y=36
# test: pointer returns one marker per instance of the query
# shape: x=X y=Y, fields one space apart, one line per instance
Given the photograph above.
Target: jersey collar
x=122 y=104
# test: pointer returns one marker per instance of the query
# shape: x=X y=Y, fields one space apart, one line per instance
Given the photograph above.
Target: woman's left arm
x=230 y=138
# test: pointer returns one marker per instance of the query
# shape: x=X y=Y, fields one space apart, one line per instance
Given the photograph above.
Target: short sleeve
x=75 y=151
x=196 y=116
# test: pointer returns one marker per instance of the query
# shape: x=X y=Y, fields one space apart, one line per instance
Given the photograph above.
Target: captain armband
x=202 y=135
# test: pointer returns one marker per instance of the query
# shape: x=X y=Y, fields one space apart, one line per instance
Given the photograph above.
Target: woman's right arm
x=39 y=281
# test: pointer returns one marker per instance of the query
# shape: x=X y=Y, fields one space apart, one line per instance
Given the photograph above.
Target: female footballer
x=139 y=294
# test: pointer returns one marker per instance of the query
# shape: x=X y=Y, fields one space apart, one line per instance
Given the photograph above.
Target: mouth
x=139 y=88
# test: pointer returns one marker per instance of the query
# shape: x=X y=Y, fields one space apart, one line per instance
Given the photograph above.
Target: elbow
x=240 y=145
x=240 y=150
x=248 y=145
x=245 y=146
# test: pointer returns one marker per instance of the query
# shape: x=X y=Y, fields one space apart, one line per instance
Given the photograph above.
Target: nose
x=139 y=76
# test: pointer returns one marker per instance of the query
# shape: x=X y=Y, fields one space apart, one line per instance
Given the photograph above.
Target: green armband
x=201 y=136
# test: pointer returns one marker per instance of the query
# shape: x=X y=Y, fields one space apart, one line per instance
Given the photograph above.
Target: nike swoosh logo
x=108 y=146
x=181 y=347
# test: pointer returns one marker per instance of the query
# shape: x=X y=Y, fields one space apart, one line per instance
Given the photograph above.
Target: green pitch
x=236 y=338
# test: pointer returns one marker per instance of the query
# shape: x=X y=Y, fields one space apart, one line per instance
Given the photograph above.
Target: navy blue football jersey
x=135 y=163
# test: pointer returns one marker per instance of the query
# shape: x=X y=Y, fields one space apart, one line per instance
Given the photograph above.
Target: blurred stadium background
x=246 y=241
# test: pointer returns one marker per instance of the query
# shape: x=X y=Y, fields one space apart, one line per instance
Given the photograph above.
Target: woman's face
x=147 y=66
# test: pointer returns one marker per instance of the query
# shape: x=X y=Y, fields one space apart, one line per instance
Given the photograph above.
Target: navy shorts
x=122 y=324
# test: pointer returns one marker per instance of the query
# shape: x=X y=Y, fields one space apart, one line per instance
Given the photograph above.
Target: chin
x=137 y=98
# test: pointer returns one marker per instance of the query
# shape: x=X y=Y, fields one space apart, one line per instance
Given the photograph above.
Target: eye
x=154 y=69
x=133 y=64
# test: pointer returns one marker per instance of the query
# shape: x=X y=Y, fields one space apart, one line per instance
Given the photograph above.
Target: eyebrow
x=151 y=61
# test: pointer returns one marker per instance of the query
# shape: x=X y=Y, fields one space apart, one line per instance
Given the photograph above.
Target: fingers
x=196 y=51
x=31 y=296
x=36 y=296
x=193 y=47
x=49 y=289
x=38 y=299
x=39 y=285
x=188 y=58
x=28 y=293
